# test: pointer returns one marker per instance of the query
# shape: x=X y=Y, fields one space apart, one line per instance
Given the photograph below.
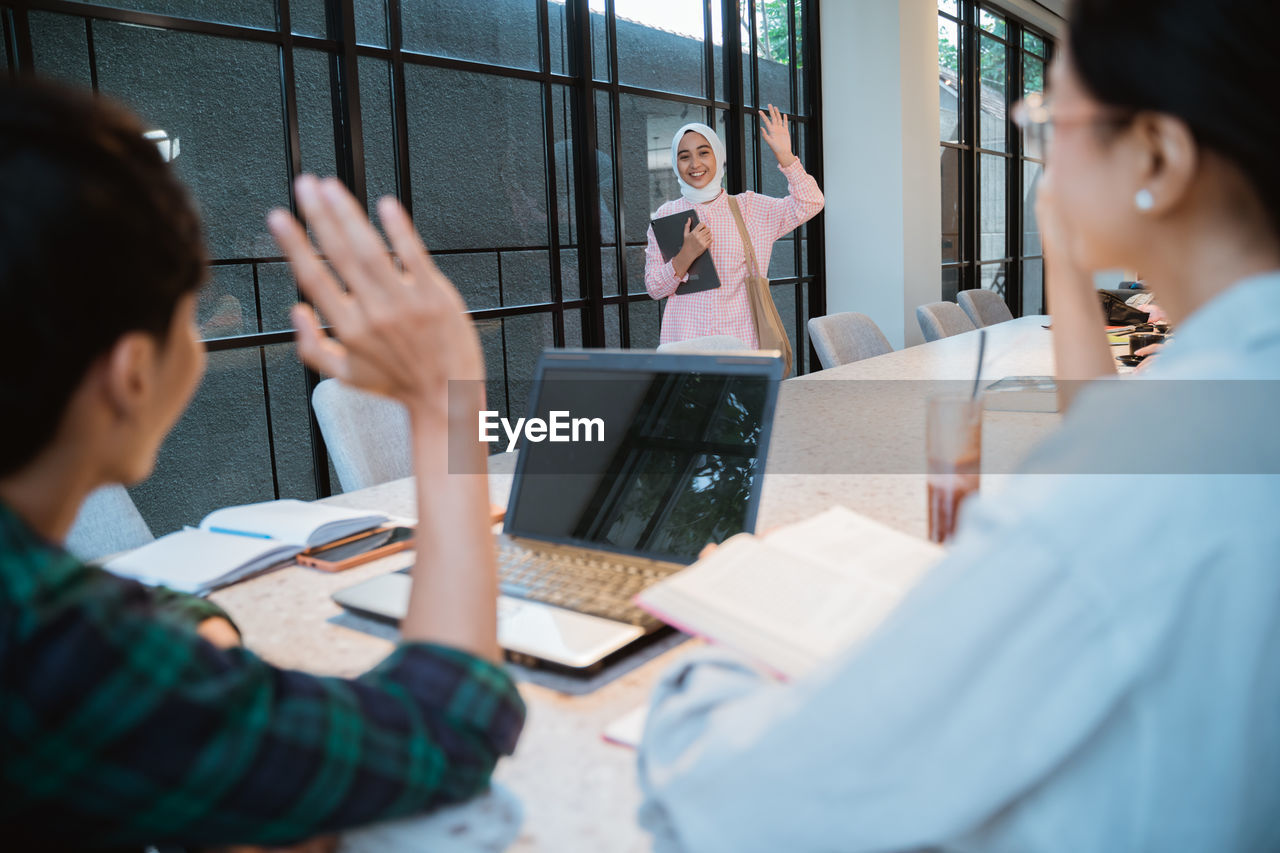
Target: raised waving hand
x=775 y=129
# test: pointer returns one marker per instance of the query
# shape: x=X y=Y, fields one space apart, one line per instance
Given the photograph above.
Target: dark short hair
x=97 y=239
x=1213 y=65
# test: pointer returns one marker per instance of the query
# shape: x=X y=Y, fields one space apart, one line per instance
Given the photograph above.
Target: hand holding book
x=799 y=595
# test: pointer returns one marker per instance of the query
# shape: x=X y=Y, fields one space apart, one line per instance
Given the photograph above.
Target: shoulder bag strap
x=753 y=268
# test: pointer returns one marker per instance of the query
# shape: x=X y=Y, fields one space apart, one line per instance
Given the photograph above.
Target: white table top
x=580 y=793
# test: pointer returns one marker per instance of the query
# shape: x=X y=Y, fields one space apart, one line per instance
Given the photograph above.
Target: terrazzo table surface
x=851 y=435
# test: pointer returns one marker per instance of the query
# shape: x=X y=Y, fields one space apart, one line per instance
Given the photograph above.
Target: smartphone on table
x=358 y=549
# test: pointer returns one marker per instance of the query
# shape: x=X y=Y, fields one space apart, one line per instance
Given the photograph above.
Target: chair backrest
x=108 y=523
x=709 y=343
x=846 y=337
x=367 y=435
x=984 y=307
x=942 y=320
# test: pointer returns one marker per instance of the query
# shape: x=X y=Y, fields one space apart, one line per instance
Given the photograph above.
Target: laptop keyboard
x=585 y=583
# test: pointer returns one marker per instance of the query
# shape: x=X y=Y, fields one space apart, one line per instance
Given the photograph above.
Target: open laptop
x=665 y=453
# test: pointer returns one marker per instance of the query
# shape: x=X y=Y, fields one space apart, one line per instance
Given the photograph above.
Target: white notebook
x=238 y=541
x=799 y=595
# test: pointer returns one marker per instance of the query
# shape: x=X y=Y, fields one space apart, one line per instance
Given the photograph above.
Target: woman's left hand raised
x=776 y=131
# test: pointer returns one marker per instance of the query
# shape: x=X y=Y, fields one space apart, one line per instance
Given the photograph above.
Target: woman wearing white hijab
x=698 y=158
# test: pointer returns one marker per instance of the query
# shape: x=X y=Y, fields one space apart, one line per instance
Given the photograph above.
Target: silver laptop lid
x=665 y=452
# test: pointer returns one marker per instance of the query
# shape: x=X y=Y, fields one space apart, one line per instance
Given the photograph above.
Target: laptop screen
x=669 y=451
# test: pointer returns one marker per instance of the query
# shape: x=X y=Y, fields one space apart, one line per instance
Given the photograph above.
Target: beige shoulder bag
x=769 y=329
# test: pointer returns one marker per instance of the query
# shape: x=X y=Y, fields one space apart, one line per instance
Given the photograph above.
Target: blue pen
x=239 y=532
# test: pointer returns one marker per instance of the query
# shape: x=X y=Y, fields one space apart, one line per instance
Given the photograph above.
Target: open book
x=799 y=595
x=238 y=541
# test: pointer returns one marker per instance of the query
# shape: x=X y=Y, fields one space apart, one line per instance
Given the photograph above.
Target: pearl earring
x=1144 y=200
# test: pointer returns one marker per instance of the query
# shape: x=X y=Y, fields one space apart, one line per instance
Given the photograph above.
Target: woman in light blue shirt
x=1070 y=676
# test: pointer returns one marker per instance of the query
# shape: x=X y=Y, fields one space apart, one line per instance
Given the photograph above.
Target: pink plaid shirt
x=726 y=310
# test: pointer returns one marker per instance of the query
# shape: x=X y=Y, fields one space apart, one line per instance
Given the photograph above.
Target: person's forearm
x=681 y=262
x=1080 y=345
x=455 y=590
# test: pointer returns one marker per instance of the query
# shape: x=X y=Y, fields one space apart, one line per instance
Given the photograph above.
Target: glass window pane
x=222 y=443
x=1033 y=286
x=307 y=18
x=609 y=236
x=475 y=274
x=495 y=386
x=59 y=48
x=648 y=180
x=748 y=48
x=994 y=277
x=497 y=33
x=559 y=36
x=1031 y=244
x=1033 y=43
x=802 y=354
x=248 y=13
x=952 y=244
x=773 y=35
x=784 y=296
x=600 y=68
x=524 y=338
x=646 y=320
x=802 y=104
x=1032 y=75
x=782 y=262
x=950 y=283
x=993 y=24
x=562 y=162
x=949 y=47
x=662 y=45
x=951 y=7
x=751 y=138
x=613 y=325
x=378 y=132
x=635 y=269
x=276 y=294
x=291 y=423
x=490 y=190
x=993 y=241
x=371 y=22
x=227 y=306
x=315 y=111
x=717 y=48
x=221 y=98
x=993 y=102
x=605 y=169
x=772 y=181
x=573 y=328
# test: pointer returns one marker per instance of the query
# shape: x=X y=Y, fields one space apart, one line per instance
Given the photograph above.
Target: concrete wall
x=880 y=149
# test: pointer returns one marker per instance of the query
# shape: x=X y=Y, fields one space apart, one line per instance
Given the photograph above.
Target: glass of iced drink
x=953 y=450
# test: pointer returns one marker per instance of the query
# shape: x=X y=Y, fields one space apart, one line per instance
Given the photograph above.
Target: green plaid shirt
x=120 y=726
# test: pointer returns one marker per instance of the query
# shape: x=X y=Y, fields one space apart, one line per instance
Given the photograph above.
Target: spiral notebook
x=235 y=542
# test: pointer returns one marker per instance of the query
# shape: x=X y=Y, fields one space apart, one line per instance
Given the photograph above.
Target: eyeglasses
x=1035 y=115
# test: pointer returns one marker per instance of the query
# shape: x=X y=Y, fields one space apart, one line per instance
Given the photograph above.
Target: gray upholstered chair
x=108 y=523
x=845 y=337
x=367 y=435
x=984 y=307
x=709 y=343
x=942 y=320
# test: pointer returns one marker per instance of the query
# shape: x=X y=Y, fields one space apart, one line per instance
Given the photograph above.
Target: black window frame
x=970 y=153
x=576 y=77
